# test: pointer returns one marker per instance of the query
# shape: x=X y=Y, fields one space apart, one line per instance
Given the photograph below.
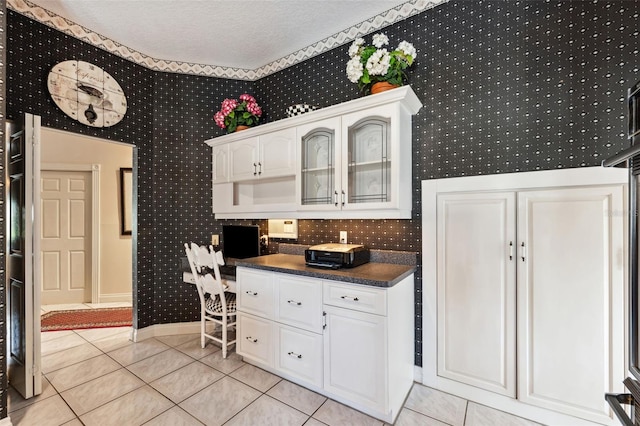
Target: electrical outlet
x=215 y=240
x=343 y=237
x=265 y=240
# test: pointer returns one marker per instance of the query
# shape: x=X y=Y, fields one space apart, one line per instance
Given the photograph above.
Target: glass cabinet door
x=369 y=161
x=318 y=167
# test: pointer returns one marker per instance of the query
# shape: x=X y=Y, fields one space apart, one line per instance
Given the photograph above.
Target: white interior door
x=66 y=237
x=23 y=256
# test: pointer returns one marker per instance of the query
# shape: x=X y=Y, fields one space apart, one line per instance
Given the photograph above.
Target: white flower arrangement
x=372 y=64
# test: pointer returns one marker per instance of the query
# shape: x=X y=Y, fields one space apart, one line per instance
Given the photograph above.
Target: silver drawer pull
x=295 y=355
x=252 y=339
x=355 y=299
x=251 y=293
x=293 y=302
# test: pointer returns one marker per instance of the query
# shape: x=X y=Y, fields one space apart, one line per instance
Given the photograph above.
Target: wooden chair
x=216 y=305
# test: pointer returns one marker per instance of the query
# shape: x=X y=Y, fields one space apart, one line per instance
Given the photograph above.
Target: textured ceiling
x=244 y=34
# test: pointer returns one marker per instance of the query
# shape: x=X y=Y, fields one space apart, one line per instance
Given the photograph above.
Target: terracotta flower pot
x=241 y=127
x=382 y=86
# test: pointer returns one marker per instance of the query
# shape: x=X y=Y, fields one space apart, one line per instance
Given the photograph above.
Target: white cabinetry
x=347 y=160
x=476 y=289
x=220 y=163
x=526 y=274
x=281 y=314
x=357 y=162
x=350 y=342
x=361 y=375
x=268 y=155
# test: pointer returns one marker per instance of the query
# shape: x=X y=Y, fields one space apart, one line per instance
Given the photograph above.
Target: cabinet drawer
x=299 y=302
x=356 y=297
x=299 y=354
x=255 y=338
x=255 y=292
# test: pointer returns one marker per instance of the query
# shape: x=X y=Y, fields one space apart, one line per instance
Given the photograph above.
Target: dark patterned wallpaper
x=506 y=87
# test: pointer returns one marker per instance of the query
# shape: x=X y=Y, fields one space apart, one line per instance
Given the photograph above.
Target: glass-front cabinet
x=351 y=163
x=369 y=161
x=320 y=165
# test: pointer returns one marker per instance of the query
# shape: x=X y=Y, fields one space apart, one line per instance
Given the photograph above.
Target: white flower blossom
x=378 y=63
x=354 y=49
x=408 y=49
x=354 y=69
x=380 y=40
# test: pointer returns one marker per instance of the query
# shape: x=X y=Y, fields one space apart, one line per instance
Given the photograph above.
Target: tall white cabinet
x=524 y=291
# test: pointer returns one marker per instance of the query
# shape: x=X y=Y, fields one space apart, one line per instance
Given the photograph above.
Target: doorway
x=105 y=261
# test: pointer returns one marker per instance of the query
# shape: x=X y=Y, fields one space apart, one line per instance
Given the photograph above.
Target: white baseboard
x=6 y=422
x=115 y=297
x=417 y=374
x=138 y=335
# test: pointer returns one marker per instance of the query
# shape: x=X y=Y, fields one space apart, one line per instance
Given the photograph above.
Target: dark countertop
x=373 y=274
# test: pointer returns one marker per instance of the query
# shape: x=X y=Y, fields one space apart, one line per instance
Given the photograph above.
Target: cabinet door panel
x=220 y=163
x=570 y=315
x=278 y=153
x=370 y=156
x=355 y=356
x=318 y=185
x=243 y=159
x=476 y=290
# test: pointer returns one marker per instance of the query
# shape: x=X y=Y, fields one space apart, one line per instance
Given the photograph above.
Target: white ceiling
x=245 y=34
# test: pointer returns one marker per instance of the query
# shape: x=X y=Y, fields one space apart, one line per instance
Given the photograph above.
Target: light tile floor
x=99 y=377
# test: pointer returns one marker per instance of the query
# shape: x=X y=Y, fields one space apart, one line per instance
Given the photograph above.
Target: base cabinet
x=331 y=337
x=528 y=285
x=362 y=374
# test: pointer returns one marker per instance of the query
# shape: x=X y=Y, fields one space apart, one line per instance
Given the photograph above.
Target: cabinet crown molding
x=404 y=95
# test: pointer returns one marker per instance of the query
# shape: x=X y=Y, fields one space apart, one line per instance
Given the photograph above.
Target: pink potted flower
x=234 y=114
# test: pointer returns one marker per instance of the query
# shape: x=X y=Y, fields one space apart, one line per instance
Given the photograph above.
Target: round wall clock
x=87 y=93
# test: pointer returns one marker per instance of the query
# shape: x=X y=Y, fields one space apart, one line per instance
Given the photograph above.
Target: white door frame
x=95 y=217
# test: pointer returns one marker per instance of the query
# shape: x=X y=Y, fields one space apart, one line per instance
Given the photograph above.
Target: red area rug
x=86 y=318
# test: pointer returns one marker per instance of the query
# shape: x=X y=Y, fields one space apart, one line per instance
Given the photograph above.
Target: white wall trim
x=95 y=217
x=66 y=26
x=138 y=335
x=417 y=374
x=6 y=421
x=115 y=297
x=95 y=233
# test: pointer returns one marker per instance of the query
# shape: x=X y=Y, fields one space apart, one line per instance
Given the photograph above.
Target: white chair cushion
x=215 y=305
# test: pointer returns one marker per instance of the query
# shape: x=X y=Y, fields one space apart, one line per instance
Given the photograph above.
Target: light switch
x=215 y=240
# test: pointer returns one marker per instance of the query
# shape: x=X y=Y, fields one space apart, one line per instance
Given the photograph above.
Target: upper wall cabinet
x=351 y=160
x=264 y=156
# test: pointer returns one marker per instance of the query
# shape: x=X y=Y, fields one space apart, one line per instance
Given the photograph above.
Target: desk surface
x=373 y=274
